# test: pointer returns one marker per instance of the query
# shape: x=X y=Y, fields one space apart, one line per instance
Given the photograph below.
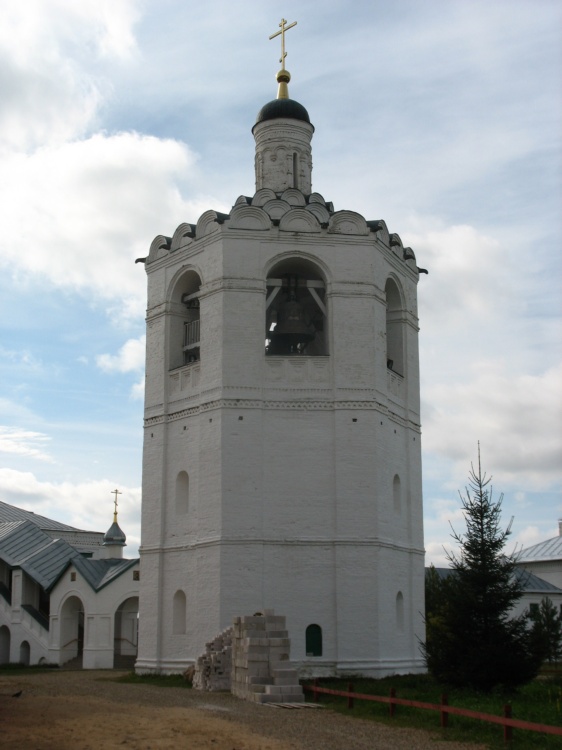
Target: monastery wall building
x=66 y=595
x=282 y=456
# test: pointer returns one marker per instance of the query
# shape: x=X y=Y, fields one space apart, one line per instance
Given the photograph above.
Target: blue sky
x=120 y=119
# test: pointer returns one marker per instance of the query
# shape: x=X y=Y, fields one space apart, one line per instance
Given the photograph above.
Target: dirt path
x=88 y=710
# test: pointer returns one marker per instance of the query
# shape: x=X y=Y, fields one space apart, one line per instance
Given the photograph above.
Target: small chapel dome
x=282 y=108
x=114 y=535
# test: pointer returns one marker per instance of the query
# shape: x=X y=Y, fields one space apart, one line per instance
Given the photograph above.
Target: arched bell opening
x=296 y=314
x=185 y=324
x=394 y=328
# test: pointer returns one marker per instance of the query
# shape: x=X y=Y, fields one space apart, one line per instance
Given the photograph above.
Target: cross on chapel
x=115 y=492
x=283 y=28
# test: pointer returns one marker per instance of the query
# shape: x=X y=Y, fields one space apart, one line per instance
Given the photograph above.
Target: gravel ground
x=88 y=710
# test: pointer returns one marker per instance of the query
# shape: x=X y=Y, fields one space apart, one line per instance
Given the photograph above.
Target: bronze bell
x=292 y=333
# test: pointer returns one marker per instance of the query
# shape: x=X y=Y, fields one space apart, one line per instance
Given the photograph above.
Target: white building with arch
x=282 y=456
x=65 y=594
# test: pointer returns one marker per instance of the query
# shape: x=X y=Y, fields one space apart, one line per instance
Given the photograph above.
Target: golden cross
x=283 y=28
x=115 y=492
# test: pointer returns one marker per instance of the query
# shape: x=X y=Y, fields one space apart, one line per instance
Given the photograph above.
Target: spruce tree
x=547 y=629
x=472 y=638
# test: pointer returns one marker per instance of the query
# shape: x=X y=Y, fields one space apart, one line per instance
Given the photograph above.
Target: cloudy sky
x=120 y=119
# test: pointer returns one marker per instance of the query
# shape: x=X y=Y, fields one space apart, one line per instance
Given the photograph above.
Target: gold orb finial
x=283 y=78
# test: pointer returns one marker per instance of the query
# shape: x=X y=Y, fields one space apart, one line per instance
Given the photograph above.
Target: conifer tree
x=472 y=638
x=547 y=628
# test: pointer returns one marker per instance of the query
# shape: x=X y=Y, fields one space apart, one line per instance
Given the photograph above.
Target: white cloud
x=137 y=391
x=45 y=48
x=466 y=271
x=85 y=210
x=436 y=554
x=529 y=536
x=17 y=411
x=517 y=419
x=77 y=208
x=21 y=357
x=22 y=442
x=130 y=357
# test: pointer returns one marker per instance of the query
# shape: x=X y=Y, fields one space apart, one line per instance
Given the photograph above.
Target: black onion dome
x=114 y=535
x=282 y=108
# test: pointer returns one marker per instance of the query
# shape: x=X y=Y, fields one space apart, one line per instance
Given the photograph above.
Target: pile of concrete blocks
x=261 y=669
x=213 y=669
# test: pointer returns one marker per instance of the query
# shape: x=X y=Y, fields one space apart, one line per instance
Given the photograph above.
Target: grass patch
x=172 y=680
x=540 y=701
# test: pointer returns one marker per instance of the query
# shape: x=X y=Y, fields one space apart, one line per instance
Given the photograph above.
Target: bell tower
x=282 y=457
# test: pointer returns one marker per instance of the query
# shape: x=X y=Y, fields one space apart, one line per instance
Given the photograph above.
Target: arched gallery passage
x=125 y=633
x=25 y=653
x=71 y=629
x=4 y=644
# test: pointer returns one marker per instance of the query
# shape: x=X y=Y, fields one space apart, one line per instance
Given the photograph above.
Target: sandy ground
x=60 y=710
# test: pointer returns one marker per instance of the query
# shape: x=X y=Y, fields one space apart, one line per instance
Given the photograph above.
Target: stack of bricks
x=261 y=670
x=213 y=669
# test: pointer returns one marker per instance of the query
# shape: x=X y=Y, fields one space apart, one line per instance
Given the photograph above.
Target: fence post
x=507 y=731
x=314 y=690
x=444 y=714
x=350 y=697
x=392 y=705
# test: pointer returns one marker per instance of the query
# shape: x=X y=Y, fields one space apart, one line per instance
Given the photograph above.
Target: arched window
x=296 y=316
x=179 y=613
x=182 y=493
x=397 y=494
x=314 y=640
x=185 y=324
x=399 y=612
x=394 y=326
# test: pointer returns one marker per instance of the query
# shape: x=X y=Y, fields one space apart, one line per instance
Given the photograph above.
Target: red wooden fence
x=506 y=721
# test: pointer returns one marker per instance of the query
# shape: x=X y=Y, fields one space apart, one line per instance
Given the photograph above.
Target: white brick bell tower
x=282 y=457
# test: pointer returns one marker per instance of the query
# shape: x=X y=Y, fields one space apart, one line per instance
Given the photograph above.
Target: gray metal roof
x=24 y=545
x=28 y=547
x=533 y=584
x=529 y=581
x=8 y=527
x=47 y=564
x=98 y=573
x=549 y=550
x=82 y=540
x=11 y=513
